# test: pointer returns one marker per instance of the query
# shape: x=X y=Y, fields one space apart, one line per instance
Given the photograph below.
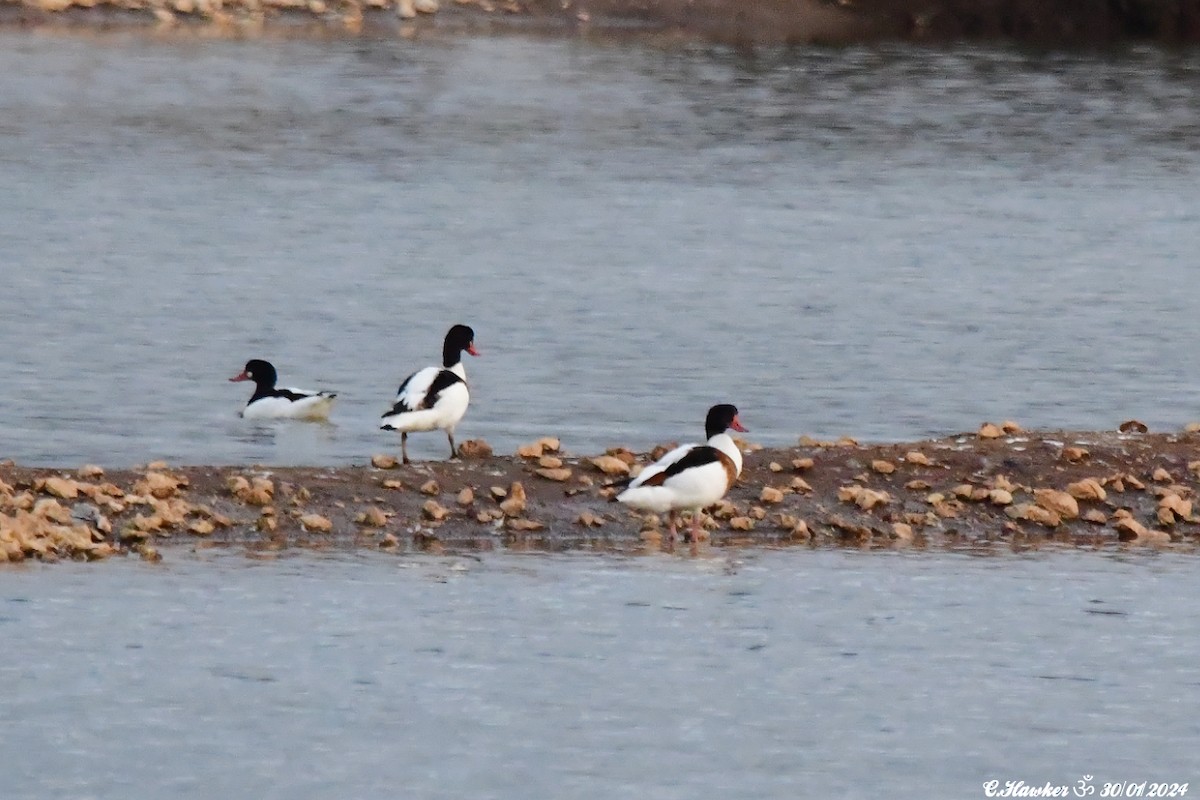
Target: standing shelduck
x=692 y=476
x=434 y=398
x=269 y=402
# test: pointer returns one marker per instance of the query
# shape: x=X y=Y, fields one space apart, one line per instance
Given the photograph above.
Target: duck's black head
x=458 y=339
x=721 y=418
x=259 y=371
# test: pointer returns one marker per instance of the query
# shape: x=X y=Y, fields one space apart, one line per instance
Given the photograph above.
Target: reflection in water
x=889 y=243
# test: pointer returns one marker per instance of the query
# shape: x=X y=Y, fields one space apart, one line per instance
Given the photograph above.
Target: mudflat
x=999 y=487
x=760 y=22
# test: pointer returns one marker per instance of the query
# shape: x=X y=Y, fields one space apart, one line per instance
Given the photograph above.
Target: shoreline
x=999 y=489
x=1043 y=23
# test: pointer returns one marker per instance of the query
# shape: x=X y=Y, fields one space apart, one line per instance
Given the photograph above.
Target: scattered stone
x=989 y=430
x=530 y=451
x=1095 y=516
x=1059 y=502
x=1177 y=505
x=466 y=496
x=801 y=464
x=559 y=474
x=201 y=527
x=431 y=487
x=1087 y=489
x=392 y=483
x=435 y=511
x=549 y=444
x=514 y=506
x=550 y=462
x=589 y=520
x=389 y=540
x=918 y=458
x=770 y=494
x=1008 y=426
x=918 y=486
x=864 y=498
x=902 y=531
x=798 y=484
x=522 y=524
x=1192 y=427
x=159 y=484
x=383 y=461
x=1162 y=476
x=90 y=471
x=498 y=492
x=59 y=487
x=999 y=497
x=316 y=523
x=1034 y=513
x=1075 y=454
x=1133 y=426
x=475 y=448
x=742 y=524
x=883 y=467
x=372 y=517
x=610 y=465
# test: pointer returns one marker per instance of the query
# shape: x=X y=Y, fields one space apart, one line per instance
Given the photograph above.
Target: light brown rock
x=383 y=461
x=316 y=523
x=610 y=465
x=990 y=430
x=1087 y=489
x=770 y=494
x=1059 y=502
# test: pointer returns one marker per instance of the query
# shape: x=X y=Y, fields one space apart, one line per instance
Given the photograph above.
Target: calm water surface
x=886 y=243
x=746 y=674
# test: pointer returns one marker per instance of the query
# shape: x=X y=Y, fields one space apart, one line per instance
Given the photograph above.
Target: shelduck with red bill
x=434 y=398
x=271 y=402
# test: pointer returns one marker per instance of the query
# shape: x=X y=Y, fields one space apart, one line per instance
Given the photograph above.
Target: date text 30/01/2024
x=1084 y=787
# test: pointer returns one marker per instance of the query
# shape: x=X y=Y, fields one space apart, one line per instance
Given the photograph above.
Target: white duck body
x=272 y=402
x=291 y=404
x=689 y=477
x=434 y=398
x=429 y=400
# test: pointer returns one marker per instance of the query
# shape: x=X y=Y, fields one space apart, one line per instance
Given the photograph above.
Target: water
x=745 y=674
x=886 y=243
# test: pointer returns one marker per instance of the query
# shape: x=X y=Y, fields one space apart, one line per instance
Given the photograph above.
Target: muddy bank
x=762 y=22
x=999 y=489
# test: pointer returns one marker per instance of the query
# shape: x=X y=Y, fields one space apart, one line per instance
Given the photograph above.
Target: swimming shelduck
x=269 y=402
x=434 y=398
x=693 y=476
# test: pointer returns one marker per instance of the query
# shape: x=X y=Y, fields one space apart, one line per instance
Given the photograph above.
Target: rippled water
x=746 y=674
x=887 y=243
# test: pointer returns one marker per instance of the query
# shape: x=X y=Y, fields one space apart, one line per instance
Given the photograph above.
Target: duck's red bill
x=737 y=425
x=471 y=349
x=241 y=376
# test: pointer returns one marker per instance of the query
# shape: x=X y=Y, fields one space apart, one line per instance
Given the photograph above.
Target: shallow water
x=889 y=243
x=745 y=674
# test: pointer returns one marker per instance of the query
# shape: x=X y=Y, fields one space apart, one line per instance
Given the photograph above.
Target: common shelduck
x=434 y=398
x=269 y=402
x=692 y=476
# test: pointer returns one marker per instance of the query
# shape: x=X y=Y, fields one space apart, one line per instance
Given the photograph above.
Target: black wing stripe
x=696 y=457
x=444 y=380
